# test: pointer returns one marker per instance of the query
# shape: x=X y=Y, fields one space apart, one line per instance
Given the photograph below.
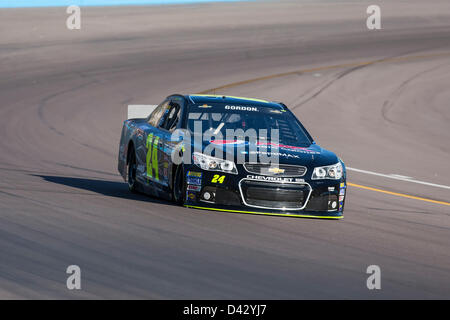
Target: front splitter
x=268 y=213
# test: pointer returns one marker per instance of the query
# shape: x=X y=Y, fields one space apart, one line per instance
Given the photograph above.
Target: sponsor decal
x=190 y=195
x=194 y=181
x=205 y=106
x=342 y=188
x=266 y=146
x=241 y=108
x=274 y=179
x=194 y=174
x=191 y=187
x=227 y=142
x=330 y=189
x=286 y=147
x=276 y=154
x=341 y=198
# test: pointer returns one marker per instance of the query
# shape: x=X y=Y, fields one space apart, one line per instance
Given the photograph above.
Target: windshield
x=216 y=118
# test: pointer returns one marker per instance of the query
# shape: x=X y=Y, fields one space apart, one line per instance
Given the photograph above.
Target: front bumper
x=246 y=194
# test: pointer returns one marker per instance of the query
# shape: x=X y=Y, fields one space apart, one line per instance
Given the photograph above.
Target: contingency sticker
x=342 y=188
x=194 y=181
x=190 y=195
x=192 y=187
x=194 y=174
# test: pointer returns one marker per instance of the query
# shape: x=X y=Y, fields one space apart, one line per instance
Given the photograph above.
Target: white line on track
x=398 y=177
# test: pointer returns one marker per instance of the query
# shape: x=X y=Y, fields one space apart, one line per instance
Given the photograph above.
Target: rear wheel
x=132 y=167
x=179 y=186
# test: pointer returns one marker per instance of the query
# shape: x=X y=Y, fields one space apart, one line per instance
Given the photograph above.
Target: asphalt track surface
x=379 y=99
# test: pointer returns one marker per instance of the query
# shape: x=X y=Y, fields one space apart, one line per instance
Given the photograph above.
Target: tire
x=179 y=186
x=132 y=182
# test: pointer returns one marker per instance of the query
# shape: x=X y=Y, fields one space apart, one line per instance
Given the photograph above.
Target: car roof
x=207 y=98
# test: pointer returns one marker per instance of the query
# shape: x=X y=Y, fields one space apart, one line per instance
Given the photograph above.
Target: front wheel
x=132 y=167
x=179 y=186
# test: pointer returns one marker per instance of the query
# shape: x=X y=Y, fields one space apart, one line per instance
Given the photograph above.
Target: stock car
x=201 y=151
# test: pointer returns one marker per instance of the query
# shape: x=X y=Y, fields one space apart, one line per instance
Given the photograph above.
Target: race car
x=232 y=154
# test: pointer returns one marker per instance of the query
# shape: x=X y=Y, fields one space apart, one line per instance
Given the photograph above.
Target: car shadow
x=115 y=189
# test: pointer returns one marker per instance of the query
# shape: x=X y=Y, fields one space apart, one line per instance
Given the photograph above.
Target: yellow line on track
x=398 y=194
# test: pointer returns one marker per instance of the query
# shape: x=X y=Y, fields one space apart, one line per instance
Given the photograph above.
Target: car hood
x=309 y=156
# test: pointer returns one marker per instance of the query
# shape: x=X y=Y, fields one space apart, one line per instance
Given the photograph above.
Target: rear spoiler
x=140 y=111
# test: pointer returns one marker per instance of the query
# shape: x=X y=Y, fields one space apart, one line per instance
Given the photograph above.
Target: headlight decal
x=334 y=172
x=213 y=164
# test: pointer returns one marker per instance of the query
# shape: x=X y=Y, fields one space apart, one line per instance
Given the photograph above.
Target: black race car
x=231 y=154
